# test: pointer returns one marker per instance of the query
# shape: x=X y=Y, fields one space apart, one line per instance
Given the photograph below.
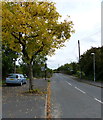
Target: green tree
x=38 y=64
x=87 y=63
x=68 y=68
x=33 y=28
x=8 y=60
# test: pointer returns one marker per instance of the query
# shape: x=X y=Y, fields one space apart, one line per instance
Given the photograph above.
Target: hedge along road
x=17 y=104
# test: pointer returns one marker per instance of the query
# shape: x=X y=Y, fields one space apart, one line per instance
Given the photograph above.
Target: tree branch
x=40 y=50
x=23 y=45
x=33 y=36
x=14 y=36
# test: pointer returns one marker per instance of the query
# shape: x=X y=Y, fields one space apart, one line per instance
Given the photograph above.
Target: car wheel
x=7 y=84
x=25 y=82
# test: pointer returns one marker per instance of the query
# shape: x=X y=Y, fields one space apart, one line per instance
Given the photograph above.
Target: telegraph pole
x=79 y=49
x=79 y=59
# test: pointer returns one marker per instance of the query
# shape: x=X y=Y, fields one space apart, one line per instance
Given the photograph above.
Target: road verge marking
x=98 y=100
x=69 y=83
x=80 y=90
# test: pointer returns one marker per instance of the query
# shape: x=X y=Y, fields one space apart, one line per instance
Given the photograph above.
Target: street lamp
x=14 y=60
x=45 y=68
x=93 y=64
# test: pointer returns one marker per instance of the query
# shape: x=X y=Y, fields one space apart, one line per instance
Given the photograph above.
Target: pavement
x=96 y=83
x=18 y=104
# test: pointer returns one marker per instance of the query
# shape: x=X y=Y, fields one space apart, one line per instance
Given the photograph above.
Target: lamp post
x=14 y=59
x=45 y=68
x=93 y=64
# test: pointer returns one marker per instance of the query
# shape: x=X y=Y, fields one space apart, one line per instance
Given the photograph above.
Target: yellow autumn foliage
x=39 y=26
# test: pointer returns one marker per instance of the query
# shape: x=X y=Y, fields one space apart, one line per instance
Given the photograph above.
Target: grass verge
x=36 y=92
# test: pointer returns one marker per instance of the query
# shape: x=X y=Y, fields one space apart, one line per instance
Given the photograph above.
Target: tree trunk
x=30 y=77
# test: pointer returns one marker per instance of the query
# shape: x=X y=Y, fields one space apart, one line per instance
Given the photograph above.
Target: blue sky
x=86 y=16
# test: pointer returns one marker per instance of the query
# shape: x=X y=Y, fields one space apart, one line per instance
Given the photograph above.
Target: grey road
x=73 y=99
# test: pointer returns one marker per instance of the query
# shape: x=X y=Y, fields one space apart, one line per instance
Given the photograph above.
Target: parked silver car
x=16 y=79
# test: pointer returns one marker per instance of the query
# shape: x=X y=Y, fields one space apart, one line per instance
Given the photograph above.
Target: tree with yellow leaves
x=32 y=29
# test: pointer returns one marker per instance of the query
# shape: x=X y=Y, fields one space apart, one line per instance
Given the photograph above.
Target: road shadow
x=10 y=85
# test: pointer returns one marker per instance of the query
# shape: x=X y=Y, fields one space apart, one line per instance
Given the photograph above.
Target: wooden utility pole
x=79 y=49
x=79 y=59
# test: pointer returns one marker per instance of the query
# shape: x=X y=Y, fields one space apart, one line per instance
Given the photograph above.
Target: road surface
x=73 y=99
x=17 y=104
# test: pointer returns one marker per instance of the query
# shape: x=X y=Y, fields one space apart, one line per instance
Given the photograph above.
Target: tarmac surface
x=71 y=98
x=18 y=104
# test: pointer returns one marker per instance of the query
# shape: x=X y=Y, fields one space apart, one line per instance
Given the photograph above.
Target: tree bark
x=30 y=76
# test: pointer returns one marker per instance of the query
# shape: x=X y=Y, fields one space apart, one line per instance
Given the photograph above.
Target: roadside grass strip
x=36 y=91
x=48 y=102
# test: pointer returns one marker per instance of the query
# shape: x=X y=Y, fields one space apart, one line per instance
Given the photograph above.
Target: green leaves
x=87 y=63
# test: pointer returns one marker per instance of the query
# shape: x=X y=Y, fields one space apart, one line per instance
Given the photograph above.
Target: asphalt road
x=73 y=99
x=17 y=104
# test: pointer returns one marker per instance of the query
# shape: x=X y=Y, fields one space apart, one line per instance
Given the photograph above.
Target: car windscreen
x=13 y=76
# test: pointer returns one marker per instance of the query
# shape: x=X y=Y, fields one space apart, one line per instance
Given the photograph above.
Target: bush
x=48 y=80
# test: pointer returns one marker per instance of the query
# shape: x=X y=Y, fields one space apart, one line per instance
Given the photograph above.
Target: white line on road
x=98 y=100
x=80 y=90
x=69 y=83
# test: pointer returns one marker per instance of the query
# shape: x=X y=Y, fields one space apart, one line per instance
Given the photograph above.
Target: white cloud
x=86 y=16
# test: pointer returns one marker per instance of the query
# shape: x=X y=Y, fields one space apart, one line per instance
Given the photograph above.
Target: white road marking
x=69 y=83
x=80 y=90
x=98 y=100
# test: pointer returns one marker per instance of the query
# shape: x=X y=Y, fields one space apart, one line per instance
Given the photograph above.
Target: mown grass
x=36 y=91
